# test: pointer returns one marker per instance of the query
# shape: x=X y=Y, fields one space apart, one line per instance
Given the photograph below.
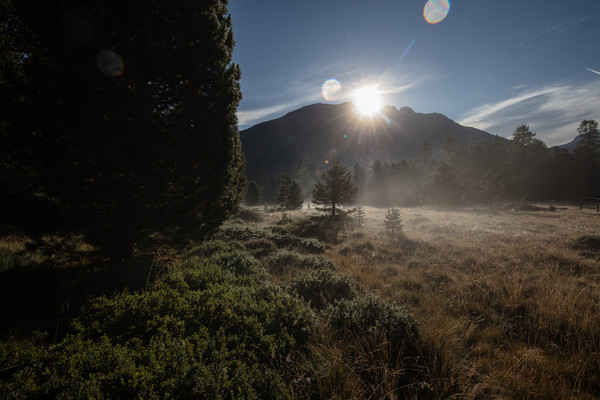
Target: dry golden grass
x=506 y=305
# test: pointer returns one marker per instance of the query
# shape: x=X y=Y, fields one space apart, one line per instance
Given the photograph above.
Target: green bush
x=285 y=260
x=323 y=228
x=260 y=247
x=370 y=315
x=249 y=215
x=324 y=287
x=209 y=328
x=308 y=245
x=238 y=230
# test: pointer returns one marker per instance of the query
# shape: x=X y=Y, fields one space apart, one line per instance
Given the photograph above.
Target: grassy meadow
x=508 y=301
x=476 y=303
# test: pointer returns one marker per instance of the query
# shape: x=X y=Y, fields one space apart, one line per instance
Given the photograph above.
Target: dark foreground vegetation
x=414 y=303
x=247 y=315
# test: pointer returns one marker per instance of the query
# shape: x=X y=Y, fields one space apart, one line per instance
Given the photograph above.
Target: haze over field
x=489 y=65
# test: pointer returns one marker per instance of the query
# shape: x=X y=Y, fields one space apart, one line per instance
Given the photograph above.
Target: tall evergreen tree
x=587 y=157
x=252 y=194
x=523 y=136
x=334 y=190
x=123 y=124
x=443 y=188
x=290 y=194
x=358 y=176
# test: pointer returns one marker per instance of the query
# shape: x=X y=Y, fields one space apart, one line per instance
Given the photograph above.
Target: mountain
x=569 y=146
x=317 y=131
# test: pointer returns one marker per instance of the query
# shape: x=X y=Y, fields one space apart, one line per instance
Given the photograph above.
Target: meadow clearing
x=509 y=300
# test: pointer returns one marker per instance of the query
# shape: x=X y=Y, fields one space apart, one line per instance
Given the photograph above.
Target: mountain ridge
x=320 y=130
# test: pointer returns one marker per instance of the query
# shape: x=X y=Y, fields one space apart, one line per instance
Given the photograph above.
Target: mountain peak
x=316 y=130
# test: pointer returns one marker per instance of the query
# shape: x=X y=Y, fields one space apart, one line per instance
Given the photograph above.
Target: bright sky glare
x=367 y=100
x=489 y=64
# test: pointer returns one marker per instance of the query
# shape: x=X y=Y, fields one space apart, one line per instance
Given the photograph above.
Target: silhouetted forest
x=523 y=168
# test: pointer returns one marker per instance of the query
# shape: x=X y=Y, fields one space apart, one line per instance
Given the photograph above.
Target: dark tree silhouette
x=443 y=188
x=290 y=194
x=523 y=136
x=334 y=190
x=587 y=156
x=122 y=122
x=252 y=194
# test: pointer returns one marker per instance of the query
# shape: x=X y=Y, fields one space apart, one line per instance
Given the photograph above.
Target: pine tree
x=522 y=136
x=360 y=215
x=123 y=124
x=587 y=156
x=290 y=194
x=393 y=221
x=334 y=190
x=252 y=194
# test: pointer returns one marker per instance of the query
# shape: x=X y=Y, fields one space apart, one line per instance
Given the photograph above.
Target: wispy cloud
x=553 y=111
x=251 y=116
x=275 y=98
x=571 y=23
x=593 y=70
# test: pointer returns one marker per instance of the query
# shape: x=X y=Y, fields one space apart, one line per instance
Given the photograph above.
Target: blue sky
x=488 y=64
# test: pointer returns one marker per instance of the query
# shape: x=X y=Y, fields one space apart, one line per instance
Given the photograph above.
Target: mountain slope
x=320 y=130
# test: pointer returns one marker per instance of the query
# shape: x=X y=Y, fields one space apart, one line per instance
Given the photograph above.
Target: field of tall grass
x=469 y=304
x=507 y=301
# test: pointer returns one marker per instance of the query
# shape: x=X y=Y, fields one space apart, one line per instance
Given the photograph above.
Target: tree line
x=487 y=172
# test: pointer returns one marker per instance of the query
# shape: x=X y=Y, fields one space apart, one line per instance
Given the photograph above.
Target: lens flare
x=109 y=63
x=331 y=89
x=436 y=10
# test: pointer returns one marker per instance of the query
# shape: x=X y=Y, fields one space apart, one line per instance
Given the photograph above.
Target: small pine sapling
x=393 y=221
x=360 y=215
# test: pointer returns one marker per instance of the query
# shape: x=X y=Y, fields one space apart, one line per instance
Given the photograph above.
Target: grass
x=506 y=302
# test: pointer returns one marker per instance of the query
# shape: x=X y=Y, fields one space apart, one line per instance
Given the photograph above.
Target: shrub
x=309 y=245
x=369 y=315
x=312 y=261
x=260 y=247
x=324 y=287
x=323 y=228
x=239 y=231
x=230 y=256
x=284 y=260
x=205 y=330
x=249 y=215
x=383 y=346
x=588 y=242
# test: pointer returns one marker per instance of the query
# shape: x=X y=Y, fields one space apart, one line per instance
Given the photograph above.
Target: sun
x=367 y=100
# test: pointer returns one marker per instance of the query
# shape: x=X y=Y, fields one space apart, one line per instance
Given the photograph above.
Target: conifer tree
x=252 y=194
x=360 y=215
x=393 y=222
x=334 y=190
x=587 y=156
x=290 y=194
x=122 y=124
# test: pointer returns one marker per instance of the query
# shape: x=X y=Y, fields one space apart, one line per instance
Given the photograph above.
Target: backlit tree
x=335 y=189
x=121 y=124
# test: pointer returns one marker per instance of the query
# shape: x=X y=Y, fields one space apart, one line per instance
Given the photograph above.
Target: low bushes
x=209 y=328
x=324 y=287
